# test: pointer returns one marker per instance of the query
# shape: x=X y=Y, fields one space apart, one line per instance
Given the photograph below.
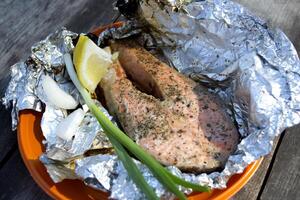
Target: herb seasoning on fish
x=169 y=115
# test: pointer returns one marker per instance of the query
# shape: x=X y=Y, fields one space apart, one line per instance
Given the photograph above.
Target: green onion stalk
x=122 y=143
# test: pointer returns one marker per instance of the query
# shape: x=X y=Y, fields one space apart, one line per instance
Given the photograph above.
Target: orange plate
x=30 y=144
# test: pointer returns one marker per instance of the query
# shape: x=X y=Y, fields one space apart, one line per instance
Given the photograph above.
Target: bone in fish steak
x=172 y=117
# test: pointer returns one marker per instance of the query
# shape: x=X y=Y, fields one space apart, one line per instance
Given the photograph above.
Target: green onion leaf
x=119 y=140
x=132 y=170
x=186 y=184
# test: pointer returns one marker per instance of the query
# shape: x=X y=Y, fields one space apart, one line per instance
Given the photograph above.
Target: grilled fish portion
x=172 y=117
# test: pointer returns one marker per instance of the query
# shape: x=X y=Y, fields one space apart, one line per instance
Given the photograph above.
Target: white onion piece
x=56 y=95
x=66 y=129
x=85 y=108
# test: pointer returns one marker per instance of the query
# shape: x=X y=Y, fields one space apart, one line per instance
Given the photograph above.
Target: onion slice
x=56 y=95
x=66 y=129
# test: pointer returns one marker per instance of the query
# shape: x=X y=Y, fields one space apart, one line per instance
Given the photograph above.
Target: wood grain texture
x=22 y=23
x=284 y=180
x=17 y=184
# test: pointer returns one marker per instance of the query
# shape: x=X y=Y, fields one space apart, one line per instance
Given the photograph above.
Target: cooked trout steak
x=169 y=115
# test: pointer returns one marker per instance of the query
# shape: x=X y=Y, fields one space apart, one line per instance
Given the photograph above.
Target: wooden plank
x=251 y=190
x=17 y=184
x=34 y=20
x=22 y=23
x=284 y=179
x=8 y=139
x=284 y=14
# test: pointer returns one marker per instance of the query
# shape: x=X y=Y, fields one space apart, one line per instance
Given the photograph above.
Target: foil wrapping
x=59 y=171
x=20 y=93
x=252 y=67
x=89 y=135
x=46 y=55
x=107 y=173
x=49 y=52
x=25 y=91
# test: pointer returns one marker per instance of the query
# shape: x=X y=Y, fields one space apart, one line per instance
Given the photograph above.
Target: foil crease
x=89 y=135
x=254 y=68
x=20 y=93
x=49 y=52
x=107 y=173
x=25 y=91
x=97 y=171
x=219 y=43
x=58 y=171
x=128 y=29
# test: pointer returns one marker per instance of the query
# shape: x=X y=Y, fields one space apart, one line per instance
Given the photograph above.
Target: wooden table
x=22 y=23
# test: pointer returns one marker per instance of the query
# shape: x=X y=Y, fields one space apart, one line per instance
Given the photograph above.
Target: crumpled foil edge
x=271 y=72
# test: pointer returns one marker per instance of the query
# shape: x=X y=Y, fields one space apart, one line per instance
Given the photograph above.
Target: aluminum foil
x=89 y=135
x=107 y=173
x=46 y=55
x=20 y=93
x=25 y=91
x=252 y=67
x=49 y=52
x=59 y=171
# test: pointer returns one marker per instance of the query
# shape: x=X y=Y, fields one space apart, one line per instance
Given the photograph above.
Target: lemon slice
x=91 y=62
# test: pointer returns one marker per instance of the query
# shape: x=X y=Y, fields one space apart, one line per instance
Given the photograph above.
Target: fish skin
x=169 y=115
